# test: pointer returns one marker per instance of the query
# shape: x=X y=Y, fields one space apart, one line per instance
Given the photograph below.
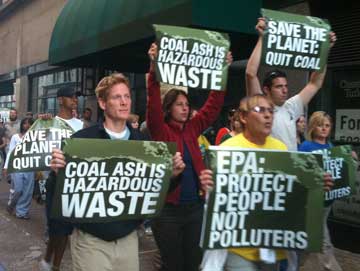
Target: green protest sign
x=191 y=57
x=339 y=163
x=295 y=41
x=107 y=180
x=4 y=114
x=33 y=153
x=264 y=199
x=348 y=209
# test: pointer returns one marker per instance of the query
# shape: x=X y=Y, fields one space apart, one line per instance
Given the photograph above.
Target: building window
x=44 y=89
x=7 y=101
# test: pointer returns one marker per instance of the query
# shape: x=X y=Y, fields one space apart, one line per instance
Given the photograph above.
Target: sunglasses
x=231 y=112
x=262 y=109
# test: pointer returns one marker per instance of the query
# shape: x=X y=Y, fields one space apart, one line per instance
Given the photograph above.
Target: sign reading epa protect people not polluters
x=191 y=57
x=268 y=199
x=295 y=41
x=110 y=180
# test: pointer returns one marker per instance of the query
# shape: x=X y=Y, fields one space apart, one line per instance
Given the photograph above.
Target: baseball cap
x=67 y=92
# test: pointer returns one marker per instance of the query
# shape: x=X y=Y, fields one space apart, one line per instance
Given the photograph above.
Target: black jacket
x=109 y=231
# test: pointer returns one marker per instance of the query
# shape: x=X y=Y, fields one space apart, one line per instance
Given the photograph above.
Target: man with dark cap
x=59 y=231
x=68 y=100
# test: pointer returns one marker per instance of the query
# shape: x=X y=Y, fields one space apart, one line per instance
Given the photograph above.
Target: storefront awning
x=116 y=34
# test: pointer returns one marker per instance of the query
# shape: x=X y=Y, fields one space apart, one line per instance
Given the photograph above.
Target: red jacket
x=172 y=132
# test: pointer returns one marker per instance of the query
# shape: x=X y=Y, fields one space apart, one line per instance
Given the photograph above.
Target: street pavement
x=22 y=243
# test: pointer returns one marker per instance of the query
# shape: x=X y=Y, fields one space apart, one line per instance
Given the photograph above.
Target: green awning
x=117 y=33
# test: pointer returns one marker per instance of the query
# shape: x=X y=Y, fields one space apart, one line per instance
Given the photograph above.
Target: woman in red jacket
x=177 y=230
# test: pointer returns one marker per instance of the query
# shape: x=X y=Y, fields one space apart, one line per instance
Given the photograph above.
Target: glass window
x=7 y=101
x=45 y=87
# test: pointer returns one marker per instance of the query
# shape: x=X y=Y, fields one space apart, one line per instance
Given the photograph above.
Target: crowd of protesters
x=266 y=119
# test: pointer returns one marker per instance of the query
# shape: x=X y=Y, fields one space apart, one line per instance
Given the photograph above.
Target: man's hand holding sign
x=294 y=41
x=105 y=186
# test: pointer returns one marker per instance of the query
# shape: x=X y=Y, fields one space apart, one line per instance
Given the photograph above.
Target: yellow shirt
x=203 y=144
x=271 y=143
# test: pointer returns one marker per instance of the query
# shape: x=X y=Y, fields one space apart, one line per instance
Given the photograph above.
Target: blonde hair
x=317 y=119
x=249 y=102
x=105 y=84
x=133 y=118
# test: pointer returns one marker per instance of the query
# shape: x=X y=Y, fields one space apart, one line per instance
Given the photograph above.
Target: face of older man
x=258 y=120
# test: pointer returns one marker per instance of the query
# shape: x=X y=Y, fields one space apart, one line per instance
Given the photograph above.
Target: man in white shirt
x=287 y=111
x=58 y=235
x=11 y=127
x=68 y=101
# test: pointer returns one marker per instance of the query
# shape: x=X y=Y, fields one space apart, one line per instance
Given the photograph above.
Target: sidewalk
x=22 y=243
x=347 y=260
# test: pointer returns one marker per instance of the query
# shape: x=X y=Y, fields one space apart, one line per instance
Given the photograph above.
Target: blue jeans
x=21 y=190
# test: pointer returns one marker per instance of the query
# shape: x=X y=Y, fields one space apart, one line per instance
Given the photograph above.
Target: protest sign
x=191 y=57
x=264 y=199
x=4 y=114
x=33 y=153
x=108 y=180
x=295 y=41
x=339 y=163
x=348 y=209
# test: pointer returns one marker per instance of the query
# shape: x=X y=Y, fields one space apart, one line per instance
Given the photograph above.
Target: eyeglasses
x=231 y=112
x=262 y=109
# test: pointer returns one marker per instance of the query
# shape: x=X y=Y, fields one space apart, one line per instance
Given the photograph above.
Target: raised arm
x=253 y=86
x=154 y=114
x=316 y=79
x=210 y=111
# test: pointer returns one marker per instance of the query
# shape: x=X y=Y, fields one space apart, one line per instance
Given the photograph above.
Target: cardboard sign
x=295 y=41
x=264 y=199
x=33 y=153
x=108 y=180
x=191 y=57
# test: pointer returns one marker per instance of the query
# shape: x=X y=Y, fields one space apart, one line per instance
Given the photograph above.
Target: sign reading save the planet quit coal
x=295 y=41
x=108 y=180
x=191 y=57
x=270 y=199
x=33 y=153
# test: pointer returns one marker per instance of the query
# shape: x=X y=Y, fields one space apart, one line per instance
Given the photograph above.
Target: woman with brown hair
x=236 y=127
x=177 y=230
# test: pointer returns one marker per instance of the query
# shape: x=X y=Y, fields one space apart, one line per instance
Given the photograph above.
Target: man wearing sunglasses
x=256 y=116
x=275 y=86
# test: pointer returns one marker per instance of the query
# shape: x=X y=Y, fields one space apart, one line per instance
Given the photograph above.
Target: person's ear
x=243 y=118
x=102 y=104
x=266 y=90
